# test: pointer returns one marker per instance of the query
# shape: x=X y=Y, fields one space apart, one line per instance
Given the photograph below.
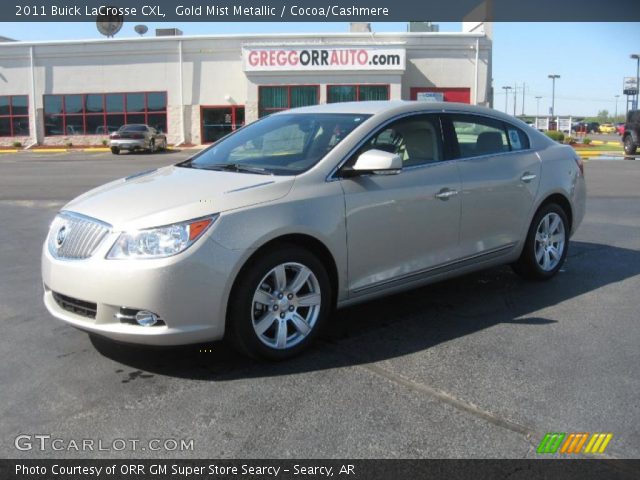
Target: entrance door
x=216 y=122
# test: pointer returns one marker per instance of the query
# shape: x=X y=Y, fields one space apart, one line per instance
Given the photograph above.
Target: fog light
x=146 y=319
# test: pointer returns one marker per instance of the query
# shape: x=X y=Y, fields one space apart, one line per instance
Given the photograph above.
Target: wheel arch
x=308 y=242
x=562 y=201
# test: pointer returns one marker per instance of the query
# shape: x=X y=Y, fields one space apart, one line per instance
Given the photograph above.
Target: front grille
x=74 y=236
x=73 y=305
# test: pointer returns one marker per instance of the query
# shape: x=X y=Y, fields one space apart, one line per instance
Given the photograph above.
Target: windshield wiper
x=238 y=167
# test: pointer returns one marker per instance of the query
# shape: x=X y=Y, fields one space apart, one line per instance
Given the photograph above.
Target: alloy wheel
x=550 y=241
x=286 y=305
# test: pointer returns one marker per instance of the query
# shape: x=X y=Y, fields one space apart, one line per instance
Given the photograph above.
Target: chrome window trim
x=331 y=177
x=473 y=114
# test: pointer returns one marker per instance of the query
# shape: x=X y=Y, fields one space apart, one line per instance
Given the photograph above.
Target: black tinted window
x=416 y=139
x=477 y=136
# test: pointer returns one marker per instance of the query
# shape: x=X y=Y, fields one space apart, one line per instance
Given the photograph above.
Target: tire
x=281 y=327
x=115 y=150
x=629 y=145
x=537 y=261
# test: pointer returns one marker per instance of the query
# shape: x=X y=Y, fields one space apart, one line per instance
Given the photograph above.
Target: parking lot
x=481 y=366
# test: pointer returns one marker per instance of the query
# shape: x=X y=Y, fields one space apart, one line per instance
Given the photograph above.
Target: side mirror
x=378 y=162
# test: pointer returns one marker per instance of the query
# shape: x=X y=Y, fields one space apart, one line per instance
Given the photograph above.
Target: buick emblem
x=61 y=236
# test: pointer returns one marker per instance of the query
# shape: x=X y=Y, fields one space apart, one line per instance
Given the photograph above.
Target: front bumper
x=128 y=144
x=188 y=291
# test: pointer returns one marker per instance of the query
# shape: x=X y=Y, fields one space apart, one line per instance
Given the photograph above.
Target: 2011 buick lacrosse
x=260 y=236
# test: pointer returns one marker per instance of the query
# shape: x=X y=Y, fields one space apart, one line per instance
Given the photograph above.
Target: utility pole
x=523 y=88
x=506 y=97
x=515 y=98
x=637 y=58
x=553 y=93
x=538 y=106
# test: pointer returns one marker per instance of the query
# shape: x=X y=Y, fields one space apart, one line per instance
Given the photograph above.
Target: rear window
x=634 y=116
x=133 y=128
x=478 y=136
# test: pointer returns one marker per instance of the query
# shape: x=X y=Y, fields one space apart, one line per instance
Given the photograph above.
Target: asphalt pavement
x=481 y=366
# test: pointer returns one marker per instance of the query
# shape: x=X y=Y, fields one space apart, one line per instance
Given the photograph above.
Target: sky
x=591 y=58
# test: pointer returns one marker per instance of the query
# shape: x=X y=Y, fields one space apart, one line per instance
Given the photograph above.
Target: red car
x=620 y=128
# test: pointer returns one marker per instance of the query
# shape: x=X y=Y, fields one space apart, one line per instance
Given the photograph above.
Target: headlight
x=159 y=242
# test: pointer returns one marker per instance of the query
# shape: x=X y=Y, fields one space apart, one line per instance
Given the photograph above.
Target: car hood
x=175 y=194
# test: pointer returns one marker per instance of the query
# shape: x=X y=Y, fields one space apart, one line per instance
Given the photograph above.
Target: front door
x=216 y=122
x=400 y=226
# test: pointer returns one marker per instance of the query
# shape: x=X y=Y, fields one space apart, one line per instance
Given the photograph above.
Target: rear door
x=499 y=175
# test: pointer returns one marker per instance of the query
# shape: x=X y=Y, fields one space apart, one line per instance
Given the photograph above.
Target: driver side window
x=416 y=139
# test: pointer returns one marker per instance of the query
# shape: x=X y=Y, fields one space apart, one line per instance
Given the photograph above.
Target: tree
x=603 y=116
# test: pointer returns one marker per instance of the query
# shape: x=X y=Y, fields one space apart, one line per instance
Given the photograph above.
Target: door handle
x=527 y=177
x=445 y=193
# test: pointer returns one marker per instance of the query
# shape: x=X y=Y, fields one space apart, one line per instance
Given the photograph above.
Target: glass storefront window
x=14 y=115
x=102 y=114
x=276 y=98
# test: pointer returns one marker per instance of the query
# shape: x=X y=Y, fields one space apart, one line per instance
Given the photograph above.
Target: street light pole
x=538 y=106
x=553 y=93
x=506 y=97
x=637 y=57
x=615 y=116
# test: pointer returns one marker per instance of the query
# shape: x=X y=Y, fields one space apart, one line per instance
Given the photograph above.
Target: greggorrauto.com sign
x=277 y=59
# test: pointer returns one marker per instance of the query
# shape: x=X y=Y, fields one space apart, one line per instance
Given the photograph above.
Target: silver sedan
x=261 y=236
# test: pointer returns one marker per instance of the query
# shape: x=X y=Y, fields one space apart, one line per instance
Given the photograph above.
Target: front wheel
x=545 y=248
x=279 y=304
x=629 y=146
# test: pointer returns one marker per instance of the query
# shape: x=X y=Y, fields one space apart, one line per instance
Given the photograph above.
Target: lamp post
x=553 y=93
x=506 y=97
x=538 y=106
x=615 y=116
x=636 y=56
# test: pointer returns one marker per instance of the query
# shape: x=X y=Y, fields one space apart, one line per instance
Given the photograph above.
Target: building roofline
x=248 y=36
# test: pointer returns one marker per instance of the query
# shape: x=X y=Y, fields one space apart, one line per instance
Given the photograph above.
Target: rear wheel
x=115 y=150
x=545 y=248
x=279 y=304
x=629 y=146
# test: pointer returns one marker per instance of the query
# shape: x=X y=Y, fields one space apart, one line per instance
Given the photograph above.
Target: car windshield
x=133 y=128
x=285 y=144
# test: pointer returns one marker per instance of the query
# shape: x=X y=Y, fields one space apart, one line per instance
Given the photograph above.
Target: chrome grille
x=74 y=236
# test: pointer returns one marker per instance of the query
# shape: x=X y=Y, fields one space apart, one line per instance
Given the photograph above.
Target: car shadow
x=404 y=323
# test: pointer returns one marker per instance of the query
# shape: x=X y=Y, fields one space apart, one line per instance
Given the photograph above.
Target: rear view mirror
x=378 y=162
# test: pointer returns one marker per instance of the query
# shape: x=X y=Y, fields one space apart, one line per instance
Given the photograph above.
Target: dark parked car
x=587 y=127
x=137 y=137
x=631 y=136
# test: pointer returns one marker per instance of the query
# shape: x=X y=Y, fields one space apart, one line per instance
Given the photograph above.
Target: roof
x=368 y=36
x=397 y=106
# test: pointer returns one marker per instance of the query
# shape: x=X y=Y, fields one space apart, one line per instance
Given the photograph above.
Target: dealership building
x=198 y=88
